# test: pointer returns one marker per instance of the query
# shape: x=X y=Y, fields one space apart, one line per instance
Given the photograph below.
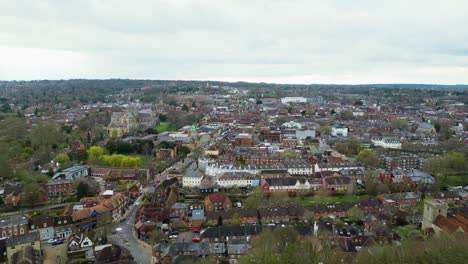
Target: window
x=32 y=226
x=22 y=231
x=64 y=221
x=44 y=225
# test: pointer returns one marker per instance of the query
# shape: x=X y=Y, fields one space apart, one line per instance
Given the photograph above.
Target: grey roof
x=13 y=220
x=237 y=247
x=338 y=180
x=198 y=214
x=236 y=175
x=216 y=248
x=179 y=206
x=22 y=239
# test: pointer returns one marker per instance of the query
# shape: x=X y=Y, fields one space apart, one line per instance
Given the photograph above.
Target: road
x=126 y=237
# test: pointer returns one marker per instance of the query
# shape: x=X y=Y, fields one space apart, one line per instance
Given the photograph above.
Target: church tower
x=432 y=209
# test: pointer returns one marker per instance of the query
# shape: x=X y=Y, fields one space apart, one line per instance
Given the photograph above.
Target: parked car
x=57 y=242
x=196 y=239
x=196 y=230
x=50 y=241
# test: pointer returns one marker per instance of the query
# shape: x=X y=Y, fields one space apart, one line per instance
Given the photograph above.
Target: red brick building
x=243 y=140
x=215 y=202
x=13 y=225
x=60 y=188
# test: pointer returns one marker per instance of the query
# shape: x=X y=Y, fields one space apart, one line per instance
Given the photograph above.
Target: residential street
x=126 y=237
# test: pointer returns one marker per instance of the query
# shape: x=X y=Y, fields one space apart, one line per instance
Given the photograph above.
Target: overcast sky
x=287 y=41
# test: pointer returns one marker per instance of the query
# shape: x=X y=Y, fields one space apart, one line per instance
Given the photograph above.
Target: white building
x=192 y=180
x=305 y=133
x=319 y=167
x=239 y=179
x=292 y=124
x=391 y=143
x=339 y=131
x=296 y=99
x=304 y=168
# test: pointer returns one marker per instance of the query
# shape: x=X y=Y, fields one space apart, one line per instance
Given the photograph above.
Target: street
x=126 y=238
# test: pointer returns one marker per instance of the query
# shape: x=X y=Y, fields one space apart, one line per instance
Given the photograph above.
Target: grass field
x=455 y=180
x=165 y=126
x=315 y=200
x=403 y=231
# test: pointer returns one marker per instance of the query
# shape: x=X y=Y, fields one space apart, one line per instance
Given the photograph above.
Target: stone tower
x=432 y=209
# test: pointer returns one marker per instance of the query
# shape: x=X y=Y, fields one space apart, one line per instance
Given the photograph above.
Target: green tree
x=368 y=157
x=437 y=127
x=30 y=194
x=441 y=249
x=254 y=199
x=354 y=146
x=162 y=117
x=198 y=153
x=372 y=184
x=453 y=164
x=398 y=123
x=95 y=154
x=184 y=150
x=346 y=115
x=185 y=108
x=235 y=219
x=62 y=158
x=157 y=237
x=5 y=171
x=82 y=190
x=356 y=214
x=50 y=172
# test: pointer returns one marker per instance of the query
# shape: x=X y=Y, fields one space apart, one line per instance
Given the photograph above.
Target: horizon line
x=233 y=81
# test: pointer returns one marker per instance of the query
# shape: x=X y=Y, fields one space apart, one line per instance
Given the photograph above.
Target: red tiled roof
x=452 y=223
x=216 y=198
x=82 y=214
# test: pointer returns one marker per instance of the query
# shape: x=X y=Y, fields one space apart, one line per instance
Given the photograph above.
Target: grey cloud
x=340 y=40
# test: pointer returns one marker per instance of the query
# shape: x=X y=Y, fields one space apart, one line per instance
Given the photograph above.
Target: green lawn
x=454 y=180
x=315 y=200
x=403 y=231
x=165 y=126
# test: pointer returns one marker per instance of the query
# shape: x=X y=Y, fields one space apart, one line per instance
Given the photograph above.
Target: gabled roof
x=229 y=231
x=82 y=214
x=216 y=198
x=456 y=223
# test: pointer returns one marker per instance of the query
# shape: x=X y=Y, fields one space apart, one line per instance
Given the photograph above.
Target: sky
x=281 y=41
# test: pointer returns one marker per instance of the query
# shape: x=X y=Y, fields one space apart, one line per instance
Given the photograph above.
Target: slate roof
x=338 y=180
x=228 y=231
